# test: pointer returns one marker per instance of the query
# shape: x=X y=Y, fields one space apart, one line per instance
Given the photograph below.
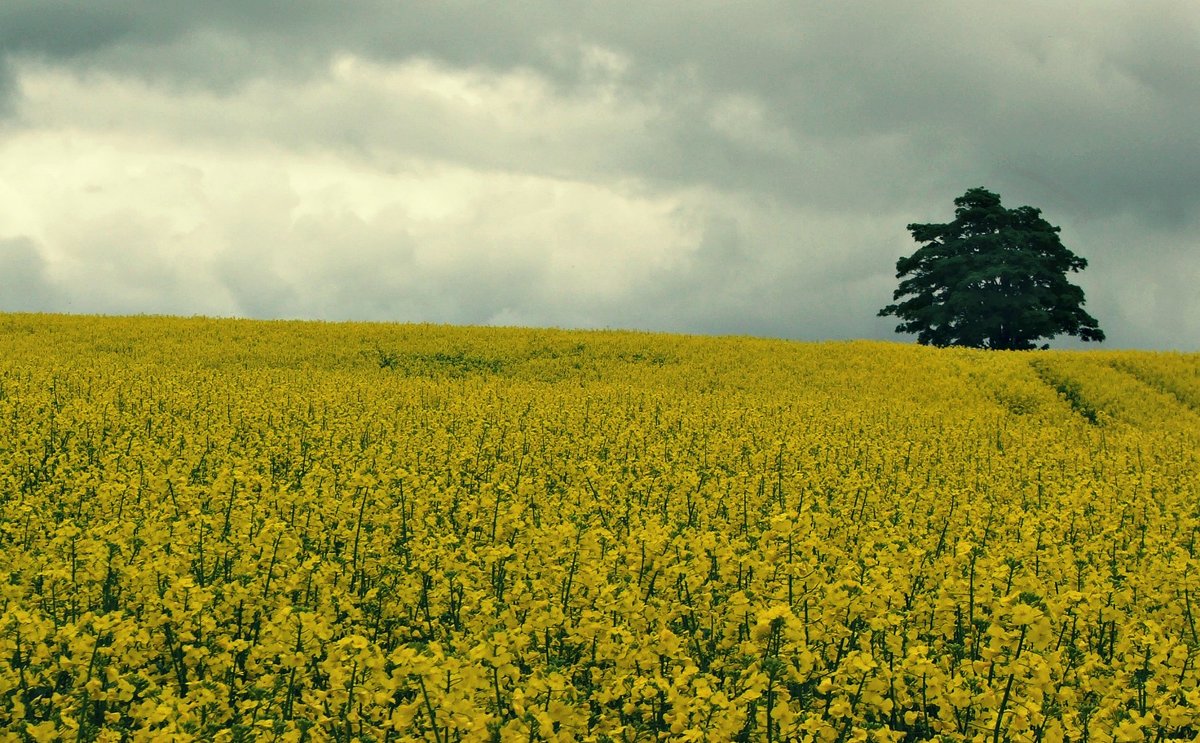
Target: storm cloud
x=698 y=167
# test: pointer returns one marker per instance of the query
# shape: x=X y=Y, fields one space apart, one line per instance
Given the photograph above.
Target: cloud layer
x=696 y=167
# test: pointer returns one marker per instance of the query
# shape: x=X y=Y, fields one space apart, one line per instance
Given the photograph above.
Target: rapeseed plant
x=516 y=535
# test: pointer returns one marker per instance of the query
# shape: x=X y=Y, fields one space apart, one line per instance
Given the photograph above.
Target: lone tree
x=992 y=278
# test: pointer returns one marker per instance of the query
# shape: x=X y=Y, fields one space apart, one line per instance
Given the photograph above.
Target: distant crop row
x=219 y=530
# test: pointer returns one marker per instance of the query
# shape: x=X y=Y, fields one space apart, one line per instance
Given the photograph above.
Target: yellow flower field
x=233 y=530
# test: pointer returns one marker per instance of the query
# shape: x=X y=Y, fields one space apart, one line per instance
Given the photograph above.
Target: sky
x=701 y=167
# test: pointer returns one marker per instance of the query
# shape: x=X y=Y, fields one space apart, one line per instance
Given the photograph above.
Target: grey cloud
x=958 y=89
x=1111 y=97
x=7 y=88
x=756 y=270
x=170 y=40
x=60 y=29
x=25 y=285
x=1146 y=295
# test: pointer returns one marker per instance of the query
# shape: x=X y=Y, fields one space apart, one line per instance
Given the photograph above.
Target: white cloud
x=146 y=198
x=383 y=114
x=744 y=120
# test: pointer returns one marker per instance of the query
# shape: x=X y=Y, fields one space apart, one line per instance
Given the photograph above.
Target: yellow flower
x=1128 y=732
x=1024 y=614
x=43 y=732
x=436 y=532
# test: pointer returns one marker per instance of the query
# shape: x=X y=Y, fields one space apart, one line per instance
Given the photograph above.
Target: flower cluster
x=225 y=530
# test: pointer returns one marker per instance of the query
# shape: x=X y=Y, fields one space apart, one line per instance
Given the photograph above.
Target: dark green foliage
x=1069 y=390
x=992 y=278
x=457 y=363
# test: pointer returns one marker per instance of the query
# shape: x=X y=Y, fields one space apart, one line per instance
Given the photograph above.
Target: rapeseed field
x=232 y=530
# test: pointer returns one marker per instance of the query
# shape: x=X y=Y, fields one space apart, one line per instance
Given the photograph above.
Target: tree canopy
x=993 y=278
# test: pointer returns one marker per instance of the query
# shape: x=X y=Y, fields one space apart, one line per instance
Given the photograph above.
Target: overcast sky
x=706 y=167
